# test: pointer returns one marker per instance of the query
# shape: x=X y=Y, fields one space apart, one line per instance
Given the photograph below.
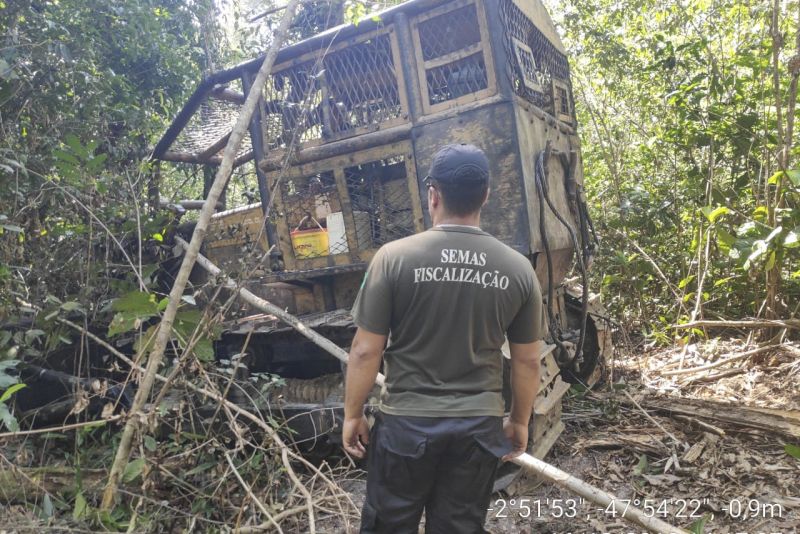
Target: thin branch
x=254 y=300
x=252 y=495
x=720 y=363
x=650 y=418
x=63 y=428
x=746 y=323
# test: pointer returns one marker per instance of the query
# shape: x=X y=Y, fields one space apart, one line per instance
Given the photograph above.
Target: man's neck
x=468 y=220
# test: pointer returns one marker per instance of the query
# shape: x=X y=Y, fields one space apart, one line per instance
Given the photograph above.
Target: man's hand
x=517 y=433
x=355 y=435
x=362 y=368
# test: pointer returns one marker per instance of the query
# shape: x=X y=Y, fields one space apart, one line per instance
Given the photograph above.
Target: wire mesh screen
x=362 y=90
x=449 y=32
x=456 y=79
x=533 y=61
x=451 y=49
x=381 y=201
x=309 y=205
x=362 y=85
x=293 y=105
x=212 y=121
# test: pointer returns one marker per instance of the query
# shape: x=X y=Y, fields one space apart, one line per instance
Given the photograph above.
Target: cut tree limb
x=593 y=494
x=721 y=362
x=165 y=327
x=783 y=422
x=747 y=323
x=26 y=484
x=257 y=302
x=650 y=418
x=286 y=452
x=708 y=377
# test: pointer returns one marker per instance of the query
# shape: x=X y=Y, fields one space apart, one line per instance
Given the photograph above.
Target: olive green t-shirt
x=447 y=298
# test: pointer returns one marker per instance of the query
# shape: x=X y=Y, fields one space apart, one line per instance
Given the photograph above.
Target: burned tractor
x=345 y=128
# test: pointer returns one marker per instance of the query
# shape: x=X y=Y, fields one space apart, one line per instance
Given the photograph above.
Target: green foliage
x=86 y=88
x=792 y=450
x=6 y=417
x=133 y=470
x=699 y=526
x=679 y=141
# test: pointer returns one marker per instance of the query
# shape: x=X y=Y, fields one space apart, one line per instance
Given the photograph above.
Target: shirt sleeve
x=372 y=309
x=529 y=324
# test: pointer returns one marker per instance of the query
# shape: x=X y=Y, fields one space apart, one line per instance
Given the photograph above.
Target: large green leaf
x=712 y=214
x=137 y=302
x=794 y=177
x=10 y=391
x=133 y=470
x=6 y=379
x=81 y=508
x=133 y=309
x=7 y=419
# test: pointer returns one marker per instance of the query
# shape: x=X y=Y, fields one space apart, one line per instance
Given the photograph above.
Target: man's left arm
x=363 y=365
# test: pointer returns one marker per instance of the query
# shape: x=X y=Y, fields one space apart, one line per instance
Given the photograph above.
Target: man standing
x=447 y=298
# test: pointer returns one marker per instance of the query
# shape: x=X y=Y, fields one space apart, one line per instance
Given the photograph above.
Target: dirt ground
x=692 y=472
x=698 y=436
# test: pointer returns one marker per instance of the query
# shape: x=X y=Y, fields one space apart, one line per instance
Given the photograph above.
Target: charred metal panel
x=536 y=63
x=534 y=134
x=505 y=215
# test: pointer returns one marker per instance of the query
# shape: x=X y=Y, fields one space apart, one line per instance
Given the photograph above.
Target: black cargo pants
x=445 y=466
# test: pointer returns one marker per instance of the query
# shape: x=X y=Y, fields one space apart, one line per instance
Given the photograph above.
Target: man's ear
x=433 y=198
x=486 y=198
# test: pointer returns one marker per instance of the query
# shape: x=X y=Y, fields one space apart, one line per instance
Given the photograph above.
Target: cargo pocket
x=490 y=446
x=404 y=470
x=494 y=442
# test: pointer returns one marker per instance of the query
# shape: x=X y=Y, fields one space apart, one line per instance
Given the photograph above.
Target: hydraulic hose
x=544 y=197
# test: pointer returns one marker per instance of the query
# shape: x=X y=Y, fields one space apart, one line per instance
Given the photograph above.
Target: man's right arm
x=525 y=362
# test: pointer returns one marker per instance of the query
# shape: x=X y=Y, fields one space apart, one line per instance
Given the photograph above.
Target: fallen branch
x=165 y=326
x=25 y=484
x=62 y=428
x=257 y=302
x=252 y=495
x=720 y=363
x=713 y=377
x=701 y=424
x=746 y=323
x=285 y=451
x=782 y=422
x=650 y=418
x=593 y=494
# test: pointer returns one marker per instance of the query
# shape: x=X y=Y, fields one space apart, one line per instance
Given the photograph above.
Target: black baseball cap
x=459 y=164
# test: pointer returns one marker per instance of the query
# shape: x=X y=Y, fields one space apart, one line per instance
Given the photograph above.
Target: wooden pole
x=526 y=461
x=165 y=327
x=624 y=508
